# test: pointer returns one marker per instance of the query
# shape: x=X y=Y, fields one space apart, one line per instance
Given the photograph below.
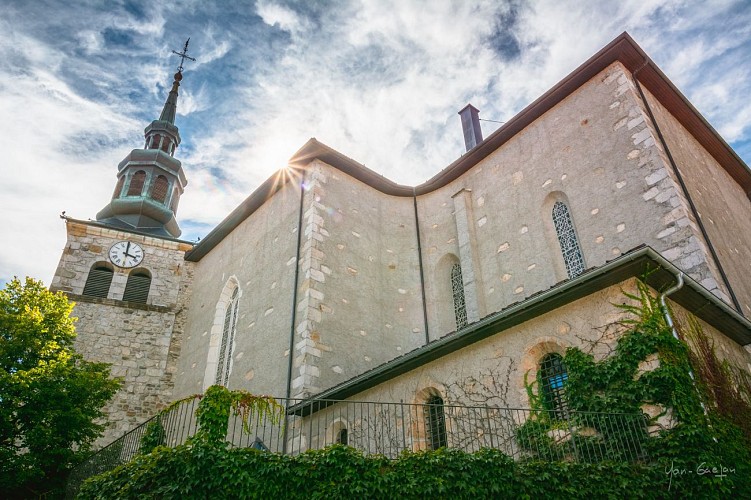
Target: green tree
x=50 y=396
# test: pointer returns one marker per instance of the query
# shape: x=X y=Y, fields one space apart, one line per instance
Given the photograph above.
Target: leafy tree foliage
x=49 y=396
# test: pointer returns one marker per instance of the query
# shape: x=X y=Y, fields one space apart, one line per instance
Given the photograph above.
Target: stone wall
x=359 y=301
x=724 y=207
x=596 y=152
x=141 y=341
x=259 y=257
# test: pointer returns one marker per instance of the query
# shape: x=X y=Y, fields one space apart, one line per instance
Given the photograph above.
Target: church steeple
x=151 y=180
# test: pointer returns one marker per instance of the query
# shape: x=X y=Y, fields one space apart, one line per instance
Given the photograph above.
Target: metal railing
x=390 y=428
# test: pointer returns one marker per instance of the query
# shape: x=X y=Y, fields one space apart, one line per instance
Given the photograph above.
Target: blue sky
x=380 y=81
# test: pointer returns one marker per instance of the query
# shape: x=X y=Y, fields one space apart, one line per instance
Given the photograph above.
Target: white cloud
x=379 y=80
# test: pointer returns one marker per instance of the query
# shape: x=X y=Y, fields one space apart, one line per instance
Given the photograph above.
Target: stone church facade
x=331 y=281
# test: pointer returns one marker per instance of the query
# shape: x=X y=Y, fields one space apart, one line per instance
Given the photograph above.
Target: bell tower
x=127 y=274
x=151 y=180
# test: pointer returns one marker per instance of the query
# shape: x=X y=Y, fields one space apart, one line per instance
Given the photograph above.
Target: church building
x=331 y=281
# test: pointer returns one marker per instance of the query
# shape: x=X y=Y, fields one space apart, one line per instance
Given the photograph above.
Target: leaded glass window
x=564 y=227
x=228 y=339
x=457 y=289
x=435 y=422
x=553 y=376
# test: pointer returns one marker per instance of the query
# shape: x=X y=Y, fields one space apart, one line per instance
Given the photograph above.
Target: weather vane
x=183 y=56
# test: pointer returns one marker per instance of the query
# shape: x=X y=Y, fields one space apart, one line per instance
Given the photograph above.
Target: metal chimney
x=471 y=126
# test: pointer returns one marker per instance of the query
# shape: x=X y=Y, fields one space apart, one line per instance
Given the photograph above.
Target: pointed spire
x=170 y=107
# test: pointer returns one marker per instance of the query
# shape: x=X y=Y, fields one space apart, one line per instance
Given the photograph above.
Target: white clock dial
x=126 y=254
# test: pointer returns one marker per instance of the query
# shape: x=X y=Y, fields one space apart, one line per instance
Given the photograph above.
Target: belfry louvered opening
x=98 y=282
x=137 y=287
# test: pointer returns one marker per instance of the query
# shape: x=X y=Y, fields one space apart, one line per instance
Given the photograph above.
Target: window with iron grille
x=228 y=338
x=137 y=287
x=341 y=436
x=435 y=422
x=136 y=183
x=553 y=376
x=159 y=189
x=457 y=290
x=564 y=227
x=98 y=282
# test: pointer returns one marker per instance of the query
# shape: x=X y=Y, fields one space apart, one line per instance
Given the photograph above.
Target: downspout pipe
x=669 y=320
x=294 y=310
x=665 y=311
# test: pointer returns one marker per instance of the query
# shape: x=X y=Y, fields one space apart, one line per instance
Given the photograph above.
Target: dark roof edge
x=635 y=263
x=125 y=230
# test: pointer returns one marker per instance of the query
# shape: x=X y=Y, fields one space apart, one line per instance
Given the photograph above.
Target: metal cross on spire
x=183 y=56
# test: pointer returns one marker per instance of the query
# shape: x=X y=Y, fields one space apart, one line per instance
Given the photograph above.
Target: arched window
x=553 y=376
x=119 y=187
x=564 y=228
x=98 y=282
x=228 y=338
x=159 y=189
x=435 y=422
x=136 y=183
x=137 y=287
x=457 y=290
x=341 y=436
x=156 y=139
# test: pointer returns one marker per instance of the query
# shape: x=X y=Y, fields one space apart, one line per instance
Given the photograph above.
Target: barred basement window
x=159 y=189
x=228 y=338
x=98 y=282
x=341 y=436
x=136 y=183
x=564 y=227
x=457 y=290
x=435 y=422
x=553 y=376
x=137 y=287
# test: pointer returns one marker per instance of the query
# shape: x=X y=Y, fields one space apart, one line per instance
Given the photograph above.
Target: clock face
x=126 y=254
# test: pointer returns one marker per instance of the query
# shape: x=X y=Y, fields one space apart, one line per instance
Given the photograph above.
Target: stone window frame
x=430 y=423
x=224 y=303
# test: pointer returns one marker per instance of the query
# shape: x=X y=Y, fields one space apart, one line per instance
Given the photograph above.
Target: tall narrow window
x=228 y=338
x=435 y=422
x=159 y=189
x=564 y=227
x=457 y=290
x=553 y=376
x=137 y=287
x=136 y=183
x=98 y=282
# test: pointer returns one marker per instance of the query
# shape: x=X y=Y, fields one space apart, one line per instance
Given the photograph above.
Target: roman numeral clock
x=126 y=254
